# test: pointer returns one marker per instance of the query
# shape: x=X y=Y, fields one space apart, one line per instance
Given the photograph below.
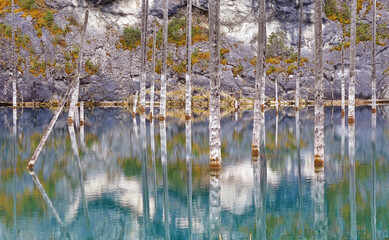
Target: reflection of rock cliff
x=46 y=57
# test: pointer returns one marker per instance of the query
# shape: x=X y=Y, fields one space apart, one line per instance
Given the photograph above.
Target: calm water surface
x=112 y=189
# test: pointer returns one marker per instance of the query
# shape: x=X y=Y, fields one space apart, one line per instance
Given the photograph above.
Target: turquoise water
x=114 y=189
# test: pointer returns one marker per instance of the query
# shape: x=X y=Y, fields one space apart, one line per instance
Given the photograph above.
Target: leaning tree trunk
x=319 y=105
x=162 y=103
x=353 y=35
x=143 y=50
x=76 y=90
x=188 y=92
x=14 y=93
x=260 y=78
x=65 y=98
x=373 y=71
x=297 y=97
x=214 y=105
x=153 y=76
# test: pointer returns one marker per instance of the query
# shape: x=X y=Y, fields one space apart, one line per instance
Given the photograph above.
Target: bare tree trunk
x=76 y=90
x=162 y=103
x=14 y=91
x=214 y=105
x=259 y=79
x=353 y=35
x=135 y=104
x=297 y=98
x=319 y=105
x=154 y=74
x=276 y=90
x=145 y=11
x=188 y=142
x=343 y=84
x=188 y=92
x=373 y=63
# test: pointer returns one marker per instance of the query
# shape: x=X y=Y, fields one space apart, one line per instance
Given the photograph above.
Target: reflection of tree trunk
x=373 y=176
x=14 y=93
x=319 y=105
x=73 y=141
x=373 y=70
x=162 y=101
x=154 y=164
x=15 y=227
x=188 y=92
x=353 y=35
x=48 y=202
x=260 y=182
x=188 y=142
x=301 y=215
x=82 y=130
x=351 y=149
x=318 y=198
x=165 y=178
x=153 y=76
x=214 y=205
x=297 y=97
x=145 y=186
x=76 y=90
x=214 y=105
x=276 y=133
x=145 y=10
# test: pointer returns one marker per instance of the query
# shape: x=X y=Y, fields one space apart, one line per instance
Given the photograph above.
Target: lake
x=106 y=180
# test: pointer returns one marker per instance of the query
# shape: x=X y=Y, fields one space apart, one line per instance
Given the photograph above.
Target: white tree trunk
x=319 y=104
x=276 y=90
x=214 y=104
x=276 y=133
x=14 y=121
x=135 y=104
x=373 y=63
x=188 y=91
x=353 y=36
x=142 y=102
x=342 y=80
x=259 y=79
x=162 y=103
x=14 y=93
x=297 y=97
x=75 y=93
x=154 y=74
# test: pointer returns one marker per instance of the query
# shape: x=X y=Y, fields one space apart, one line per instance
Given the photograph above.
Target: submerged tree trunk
x=143 y=50
x=319 y=104
x=214 y=105
x=297 y=97
x=154 y=74
x=76 y=90
x=373 y=63
x=353 y=35
x=162 y=103
x=14 y=93
x=188 y=91
x=259 y=79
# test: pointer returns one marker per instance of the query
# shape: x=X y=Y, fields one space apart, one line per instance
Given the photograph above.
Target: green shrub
x=176 y=31
x=276 y=45
x=90 y=67
x=131 y=37
x=363 y=32
x=27 y=4
x=49 y=19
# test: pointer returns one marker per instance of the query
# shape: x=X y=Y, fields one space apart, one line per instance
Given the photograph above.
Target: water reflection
x=122 y=189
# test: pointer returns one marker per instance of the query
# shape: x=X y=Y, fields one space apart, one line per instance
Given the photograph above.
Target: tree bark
x=162 y=103
x=154 y=74
x=297 y=97
x=14 y=91
x=145 y=10
x=259 y=79
x=276 y=90
x=342 y=81
x=353 y=35
x=188 y=92
x=373 y=71
x=135 y=104
x=214 y=105
x=76 y=90
x=319 y=104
